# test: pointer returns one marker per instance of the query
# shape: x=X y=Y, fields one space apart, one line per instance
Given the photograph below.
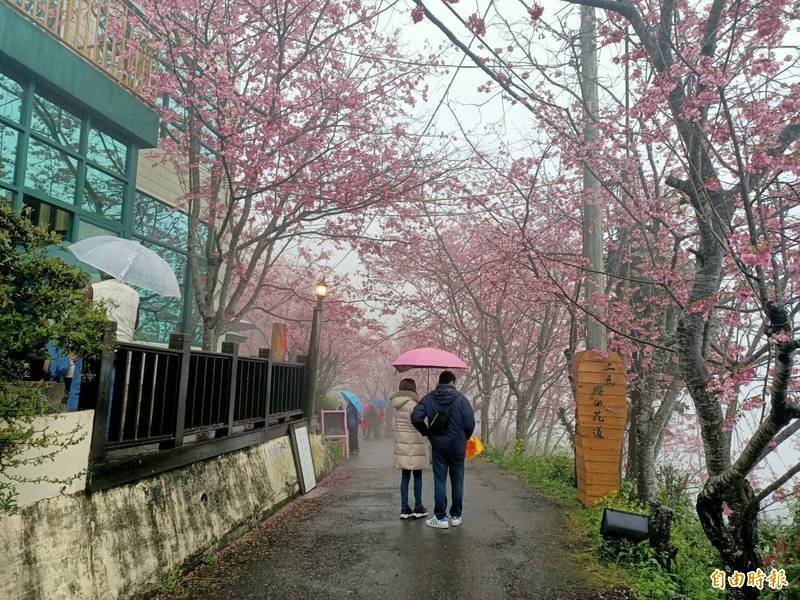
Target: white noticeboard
x=301 y=446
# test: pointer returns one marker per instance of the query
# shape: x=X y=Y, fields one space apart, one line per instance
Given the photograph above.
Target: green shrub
x=689 y=576
x=330 y=403
x=780 y=548
x=336 y=448
x=41 y=300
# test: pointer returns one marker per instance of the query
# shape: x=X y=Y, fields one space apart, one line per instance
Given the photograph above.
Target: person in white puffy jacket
x=410 y=449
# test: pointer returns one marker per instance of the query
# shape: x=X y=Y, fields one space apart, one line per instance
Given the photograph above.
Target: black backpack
x=437 y=424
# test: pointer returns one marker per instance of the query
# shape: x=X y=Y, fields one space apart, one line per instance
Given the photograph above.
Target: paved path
x=345 y=540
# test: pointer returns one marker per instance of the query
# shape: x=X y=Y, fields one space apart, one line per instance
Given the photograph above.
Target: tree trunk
x=630 y=469
x=737 y=542
x=645 y=447
x=210 y=337
x=551 y=425
x=521 y=423
x=485 y=422
x=537 y=441
x=646 y=471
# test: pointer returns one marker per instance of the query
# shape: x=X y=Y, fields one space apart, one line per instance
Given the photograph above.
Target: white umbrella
x=128 y=261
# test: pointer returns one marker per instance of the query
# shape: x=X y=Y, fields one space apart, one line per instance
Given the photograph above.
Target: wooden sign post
x=279 y=342
x=602 y=412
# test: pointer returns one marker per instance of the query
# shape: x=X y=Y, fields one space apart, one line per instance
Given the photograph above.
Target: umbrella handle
x=131 y=258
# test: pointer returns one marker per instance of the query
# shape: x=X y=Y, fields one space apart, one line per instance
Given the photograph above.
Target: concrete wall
x=68 y=465
x=122 y=543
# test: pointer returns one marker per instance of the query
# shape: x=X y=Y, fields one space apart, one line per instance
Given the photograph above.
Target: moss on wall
x=121 y=542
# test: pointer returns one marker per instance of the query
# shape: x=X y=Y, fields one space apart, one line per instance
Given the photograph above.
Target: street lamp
x=320 y=292
x=321 y=289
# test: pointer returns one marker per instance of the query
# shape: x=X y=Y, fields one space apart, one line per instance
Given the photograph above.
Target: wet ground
x=345 y=541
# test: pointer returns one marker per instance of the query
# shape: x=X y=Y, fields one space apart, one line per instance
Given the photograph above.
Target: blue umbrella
x=379 y=403
x=354 y=400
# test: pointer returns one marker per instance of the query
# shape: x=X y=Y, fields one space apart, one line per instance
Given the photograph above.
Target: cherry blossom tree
x=283 y=120
x=709 y=107
x=455 y=274
x=349 y=330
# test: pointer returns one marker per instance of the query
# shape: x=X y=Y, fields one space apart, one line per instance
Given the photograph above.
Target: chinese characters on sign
x=776 y=580
x=601 y=386
x=597 y=399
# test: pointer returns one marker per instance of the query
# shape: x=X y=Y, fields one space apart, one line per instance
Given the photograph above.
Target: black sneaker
x=406 y=514
x=419 y=512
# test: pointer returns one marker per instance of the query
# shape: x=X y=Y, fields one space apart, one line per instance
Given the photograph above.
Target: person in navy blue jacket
x=446 y=418
x=353 y=423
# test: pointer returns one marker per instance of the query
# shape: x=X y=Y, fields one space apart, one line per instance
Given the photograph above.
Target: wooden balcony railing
x=101 y=31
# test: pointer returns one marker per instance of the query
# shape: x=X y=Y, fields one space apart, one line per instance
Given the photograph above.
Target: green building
x=76 y=140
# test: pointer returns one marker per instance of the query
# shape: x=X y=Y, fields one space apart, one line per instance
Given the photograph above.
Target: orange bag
x=474 y=447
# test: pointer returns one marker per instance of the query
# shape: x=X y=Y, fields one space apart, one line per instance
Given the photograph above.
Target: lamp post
x=320 y=291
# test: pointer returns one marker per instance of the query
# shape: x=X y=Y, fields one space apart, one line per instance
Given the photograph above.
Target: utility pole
x=596 y=338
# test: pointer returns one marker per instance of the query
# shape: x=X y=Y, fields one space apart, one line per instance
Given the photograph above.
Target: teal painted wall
x=30 y=47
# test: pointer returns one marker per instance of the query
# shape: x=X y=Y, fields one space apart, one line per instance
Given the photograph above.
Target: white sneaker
x=455 y=521
x=437 y=523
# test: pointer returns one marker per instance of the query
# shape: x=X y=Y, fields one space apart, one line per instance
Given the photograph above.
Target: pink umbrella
x=427 y=358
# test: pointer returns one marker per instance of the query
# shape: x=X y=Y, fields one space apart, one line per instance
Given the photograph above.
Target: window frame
x=25 y=133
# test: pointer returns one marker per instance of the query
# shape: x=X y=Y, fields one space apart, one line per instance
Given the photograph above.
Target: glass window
x=87 y=230
x=56 y=123
x=51 y=171
x=160 y=316
x=107 y=151
x=8 y=152
x=46 y=215
x=6 y=195
x=10 y=98
x=103 y=194
x=159 y=221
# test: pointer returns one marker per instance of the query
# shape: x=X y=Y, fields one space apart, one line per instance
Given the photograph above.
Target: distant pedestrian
x=353 y=423
x=447 y=419
x=410 y=450
x=373 y=417
x=379 y=428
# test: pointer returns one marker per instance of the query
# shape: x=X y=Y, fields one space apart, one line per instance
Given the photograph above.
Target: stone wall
x=123 y=542
x=62 y=472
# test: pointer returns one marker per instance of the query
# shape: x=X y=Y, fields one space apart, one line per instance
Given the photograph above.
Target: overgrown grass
x=554 y=477
x=336 y=449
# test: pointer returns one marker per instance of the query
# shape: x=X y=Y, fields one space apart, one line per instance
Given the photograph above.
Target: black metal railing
x=144 y=389
x=149 y=395
x=253 y=386
x=286 y=391
x=209 y=392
